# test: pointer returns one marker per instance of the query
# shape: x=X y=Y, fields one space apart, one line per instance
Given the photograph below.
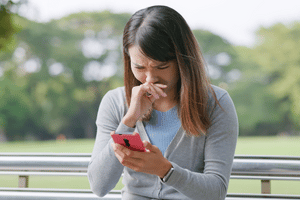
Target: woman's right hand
x=142 y=98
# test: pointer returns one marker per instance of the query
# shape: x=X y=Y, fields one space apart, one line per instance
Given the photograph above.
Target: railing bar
x=250 y=195
x=43 y=173
x=85 y=174
x=241 y=156
x=266 y=174
x=53 y=190
x=47 y=154
x=266 y=178
x=267 y=157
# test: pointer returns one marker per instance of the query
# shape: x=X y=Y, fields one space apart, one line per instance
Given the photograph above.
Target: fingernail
x=164 y=95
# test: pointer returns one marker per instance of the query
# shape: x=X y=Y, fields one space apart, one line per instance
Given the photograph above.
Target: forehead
x=137 y=57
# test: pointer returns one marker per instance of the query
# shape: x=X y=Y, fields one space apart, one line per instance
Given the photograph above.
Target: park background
x=55 y=71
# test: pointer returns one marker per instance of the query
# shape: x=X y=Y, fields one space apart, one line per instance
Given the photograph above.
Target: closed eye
x=163 y=67
x=140 y=68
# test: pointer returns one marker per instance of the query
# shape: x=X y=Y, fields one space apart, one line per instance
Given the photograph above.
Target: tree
x=7 y=25
x=267 y=95
x=278 y=53
x=66 y=77
x=14 y=105
x=253 y=101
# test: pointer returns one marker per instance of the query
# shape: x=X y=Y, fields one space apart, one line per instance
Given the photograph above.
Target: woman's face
x=147 y=70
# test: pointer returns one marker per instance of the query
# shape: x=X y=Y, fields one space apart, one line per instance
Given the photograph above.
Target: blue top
x=162 y=128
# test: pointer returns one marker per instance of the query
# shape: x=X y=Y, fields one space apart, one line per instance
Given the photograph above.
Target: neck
x=164 y=104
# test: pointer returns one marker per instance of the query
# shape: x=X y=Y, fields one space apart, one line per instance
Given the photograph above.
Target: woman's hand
x=150 y=162
x=142 y=98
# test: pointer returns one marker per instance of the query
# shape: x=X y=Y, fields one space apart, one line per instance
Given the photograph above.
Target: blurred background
x=58 y=59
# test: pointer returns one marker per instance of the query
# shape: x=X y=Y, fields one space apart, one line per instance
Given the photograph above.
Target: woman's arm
x=219 y=150
x=104 y=169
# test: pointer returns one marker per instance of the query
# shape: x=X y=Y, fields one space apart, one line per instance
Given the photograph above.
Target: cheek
x=139 y=76
x=172 y=76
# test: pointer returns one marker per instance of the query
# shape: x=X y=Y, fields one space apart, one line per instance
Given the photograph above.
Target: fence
x=25 y=165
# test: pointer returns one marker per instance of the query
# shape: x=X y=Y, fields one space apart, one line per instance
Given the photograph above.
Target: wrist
x=166 y=170
x=129 y=121
x=168 y=175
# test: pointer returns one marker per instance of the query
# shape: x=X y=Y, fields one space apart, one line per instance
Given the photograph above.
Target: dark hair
x=162 y=34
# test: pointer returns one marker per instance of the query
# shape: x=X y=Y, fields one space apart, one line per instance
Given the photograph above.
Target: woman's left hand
x=150 y=162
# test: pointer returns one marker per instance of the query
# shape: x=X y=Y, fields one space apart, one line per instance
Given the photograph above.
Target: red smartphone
x=129 y=140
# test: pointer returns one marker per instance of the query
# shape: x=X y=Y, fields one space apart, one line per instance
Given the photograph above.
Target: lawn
x=246 y=145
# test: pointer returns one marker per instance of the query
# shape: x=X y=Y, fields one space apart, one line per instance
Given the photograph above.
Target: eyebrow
x=159 y=65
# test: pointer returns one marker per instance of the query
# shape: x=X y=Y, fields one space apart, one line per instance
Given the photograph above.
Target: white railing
x=24 y=165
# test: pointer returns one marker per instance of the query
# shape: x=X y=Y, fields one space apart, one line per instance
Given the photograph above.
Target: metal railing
x=264 y=168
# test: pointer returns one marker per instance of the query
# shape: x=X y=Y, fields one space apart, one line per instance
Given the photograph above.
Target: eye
x=163 y=67
x=139 y=68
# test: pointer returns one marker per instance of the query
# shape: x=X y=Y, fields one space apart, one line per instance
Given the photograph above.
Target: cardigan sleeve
x=104 y=169
x=220 y=143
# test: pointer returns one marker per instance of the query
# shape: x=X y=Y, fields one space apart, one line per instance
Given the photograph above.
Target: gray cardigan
x=202 y=165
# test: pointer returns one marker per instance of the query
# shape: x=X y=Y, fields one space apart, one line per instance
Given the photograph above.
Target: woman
x=189 y=126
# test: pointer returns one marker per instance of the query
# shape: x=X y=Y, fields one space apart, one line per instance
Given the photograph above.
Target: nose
x=151 y=77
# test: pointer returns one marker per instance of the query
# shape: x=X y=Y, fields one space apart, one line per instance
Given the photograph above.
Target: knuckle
x=141 y=165
x=134 y=88
x=137 y=169
x=122 y=161
x=128 y=154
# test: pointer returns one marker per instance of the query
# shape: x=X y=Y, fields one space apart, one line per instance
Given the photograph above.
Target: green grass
x=68 y=146
x=285 y=146
x=246 y=145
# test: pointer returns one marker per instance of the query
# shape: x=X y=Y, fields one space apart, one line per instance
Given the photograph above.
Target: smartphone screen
x=130 y=141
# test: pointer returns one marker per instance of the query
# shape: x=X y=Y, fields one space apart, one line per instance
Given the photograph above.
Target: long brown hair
x=163 y=35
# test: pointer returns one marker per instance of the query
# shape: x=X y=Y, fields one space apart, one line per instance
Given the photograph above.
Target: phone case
x=132 y=142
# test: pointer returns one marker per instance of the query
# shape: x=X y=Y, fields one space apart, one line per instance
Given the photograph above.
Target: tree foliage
x=267 y=95
x=56 y=73
x=8 y=27
x=64 y=75
x=278 y=54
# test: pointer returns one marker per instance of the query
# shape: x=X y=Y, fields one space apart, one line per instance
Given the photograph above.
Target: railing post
x=23 y=181
x=265 y=186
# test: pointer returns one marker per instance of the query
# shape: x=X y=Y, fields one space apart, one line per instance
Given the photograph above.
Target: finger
x=149 y=146
x=125 y=159
x=124 y=151
x=151 y=98
x=159 y=90
x=130 y=165
x=160 y=85
x=149 y=89
x=111 y=133
x=120 y=153
x=150 y=95
x=116 y=148
x=135 y=133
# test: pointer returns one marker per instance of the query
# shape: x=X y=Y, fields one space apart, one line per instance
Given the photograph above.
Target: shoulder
x=224 y=100
x=117 y=93
x=115 y=97
x=219 y=92
x=113 y=105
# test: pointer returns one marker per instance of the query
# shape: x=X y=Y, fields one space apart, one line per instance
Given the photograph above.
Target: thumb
x=148 y=145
